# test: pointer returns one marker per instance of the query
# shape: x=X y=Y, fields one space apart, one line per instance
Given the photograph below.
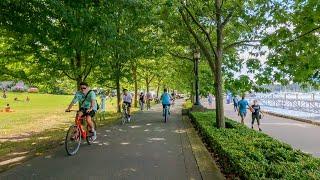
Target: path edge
x=206 y=164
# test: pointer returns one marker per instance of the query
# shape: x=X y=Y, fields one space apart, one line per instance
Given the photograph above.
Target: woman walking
x=256 y=113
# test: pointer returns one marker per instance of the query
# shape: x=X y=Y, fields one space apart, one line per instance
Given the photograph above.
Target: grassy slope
x=37 y=126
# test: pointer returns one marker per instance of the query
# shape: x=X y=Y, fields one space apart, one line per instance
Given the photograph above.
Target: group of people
x=242 y=106
x=89 y=106
x=145 y=99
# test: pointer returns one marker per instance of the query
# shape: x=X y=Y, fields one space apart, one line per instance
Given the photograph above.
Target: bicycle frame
x=79 y=126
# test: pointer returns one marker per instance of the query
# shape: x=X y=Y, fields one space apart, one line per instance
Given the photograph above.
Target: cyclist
x=165 y=100
x=88 y=106
x=127 y=99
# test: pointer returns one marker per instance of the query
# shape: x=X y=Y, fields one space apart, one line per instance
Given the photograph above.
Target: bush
x=254 y=155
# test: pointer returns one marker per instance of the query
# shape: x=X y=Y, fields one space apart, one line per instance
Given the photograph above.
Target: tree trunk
x=118 y=74
x=147 y=84
x=158 y=89
x=218 y=68
x=134 y=70
x=118 y=95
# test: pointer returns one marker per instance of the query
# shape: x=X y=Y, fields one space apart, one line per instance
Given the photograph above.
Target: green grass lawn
x=43 y=111
x=38 y=126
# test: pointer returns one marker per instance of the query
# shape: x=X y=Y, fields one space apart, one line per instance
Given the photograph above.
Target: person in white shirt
x=127 y=99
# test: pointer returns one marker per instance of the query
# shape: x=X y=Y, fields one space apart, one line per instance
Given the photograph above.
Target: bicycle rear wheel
x=73 y=140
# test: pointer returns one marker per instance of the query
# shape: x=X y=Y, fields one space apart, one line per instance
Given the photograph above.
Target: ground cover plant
x=253 y=155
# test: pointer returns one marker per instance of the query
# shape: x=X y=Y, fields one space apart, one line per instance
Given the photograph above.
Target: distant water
x=299 y=114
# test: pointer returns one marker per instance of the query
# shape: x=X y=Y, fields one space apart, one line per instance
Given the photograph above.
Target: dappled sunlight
x=48 y=157
x=158 y=129
x=18 y=153
x=124 y=143
x=146 y=130
x=13 y=160
x=108 y=130
x=179 y=131
x=156 y=139
x=134 y=127
x=44 y=137
x=126 y=172
x=149 y=124
x=121 y=130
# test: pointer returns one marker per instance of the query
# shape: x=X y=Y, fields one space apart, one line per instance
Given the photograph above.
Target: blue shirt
x=243 y=104
x=79 y=97
x=165 y=98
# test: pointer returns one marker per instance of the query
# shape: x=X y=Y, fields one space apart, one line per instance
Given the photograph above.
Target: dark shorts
x=128 y=104
x=164 y=105
x=84 y=111
x=255 y=117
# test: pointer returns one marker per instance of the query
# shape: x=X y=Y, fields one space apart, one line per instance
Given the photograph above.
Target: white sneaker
x=94 y=137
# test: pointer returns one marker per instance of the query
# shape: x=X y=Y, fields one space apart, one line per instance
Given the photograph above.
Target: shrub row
x=254 y=155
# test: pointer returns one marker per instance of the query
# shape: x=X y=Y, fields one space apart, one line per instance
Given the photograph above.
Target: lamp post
x=196 y=56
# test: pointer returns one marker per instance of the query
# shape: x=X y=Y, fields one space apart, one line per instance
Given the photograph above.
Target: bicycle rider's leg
x=129 y=112
x=79 y=114
x=90 y=123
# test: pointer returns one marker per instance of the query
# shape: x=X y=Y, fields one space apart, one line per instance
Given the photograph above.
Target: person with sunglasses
x=88 y=105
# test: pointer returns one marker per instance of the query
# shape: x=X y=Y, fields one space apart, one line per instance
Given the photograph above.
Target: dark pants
x=255 y=117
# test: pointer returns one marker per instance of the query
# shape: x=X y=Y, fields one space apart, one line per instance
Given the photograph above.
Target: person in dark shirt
x=256 y=113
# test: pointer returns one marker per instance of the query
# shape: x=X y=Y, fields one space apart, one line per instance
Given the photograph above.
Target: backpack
x=98 y=107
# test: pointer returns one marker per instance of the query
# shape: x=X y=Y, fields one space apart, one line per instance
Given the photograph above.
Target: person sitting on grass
x=7 y=109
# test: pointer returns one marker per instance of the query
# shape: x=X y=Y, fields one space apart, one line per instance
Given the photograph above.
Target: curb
x=207 y=166
x=293 y=118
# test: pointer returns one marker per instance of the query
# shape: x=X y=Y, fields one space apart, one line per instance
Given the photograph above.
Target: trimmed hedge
x=254 y=155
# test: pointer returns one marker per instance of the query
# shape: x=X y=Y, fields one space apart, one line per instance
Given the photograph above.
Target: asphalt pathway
x=299 y=135
x=147 y=148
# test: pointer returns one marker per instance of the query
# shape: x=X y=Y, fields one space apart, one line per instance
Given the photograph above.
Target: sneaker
x=94 y=135
x=251 y=127
x=260 y=129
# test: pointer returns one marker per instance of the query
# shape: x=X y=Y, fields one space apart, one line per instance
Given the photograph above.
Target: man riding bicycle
x=165 y=100
x=127 y=100
x=88 y=106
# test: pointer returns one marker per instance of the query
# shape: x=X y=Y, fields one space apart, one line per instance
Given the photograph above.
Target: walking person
x=256 y=113
x=210 y=100
x=235 y=103
x=149 y=99
x=242 y=110
x=103 y=101
x=141 y=101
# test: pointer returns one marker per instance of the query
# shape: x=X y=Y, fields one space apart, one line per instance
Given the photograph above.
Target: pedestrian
x=242 y=110
x=256 y=113
x=103 y=98
x=141 y=101
x=235 y=103
x=210 y=100
x=149 y=99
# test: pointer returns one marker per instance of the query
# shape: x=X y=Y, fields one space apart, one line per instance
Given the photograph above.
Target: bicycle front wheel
x=73 y=140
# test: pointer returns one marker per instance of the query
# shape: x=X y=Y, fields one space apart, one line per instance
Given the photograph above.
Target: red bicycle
x=75 y=134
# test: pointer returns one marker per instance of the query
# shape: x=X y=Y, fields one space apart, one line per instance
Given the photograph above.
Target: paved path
x=299 y=135
x=145 y=149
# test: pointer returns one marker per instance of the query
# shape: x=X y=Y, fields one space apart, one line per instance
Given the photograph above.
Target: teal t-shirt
x=79 y=97
x=243 y=104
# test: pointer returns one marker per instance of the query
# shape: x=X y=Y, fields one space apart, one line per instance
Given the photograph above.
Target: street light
x=196 y=56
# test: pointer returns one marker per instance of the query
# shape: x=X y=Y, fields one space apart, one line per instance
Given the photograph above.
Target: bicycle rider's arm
x=75 y=100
